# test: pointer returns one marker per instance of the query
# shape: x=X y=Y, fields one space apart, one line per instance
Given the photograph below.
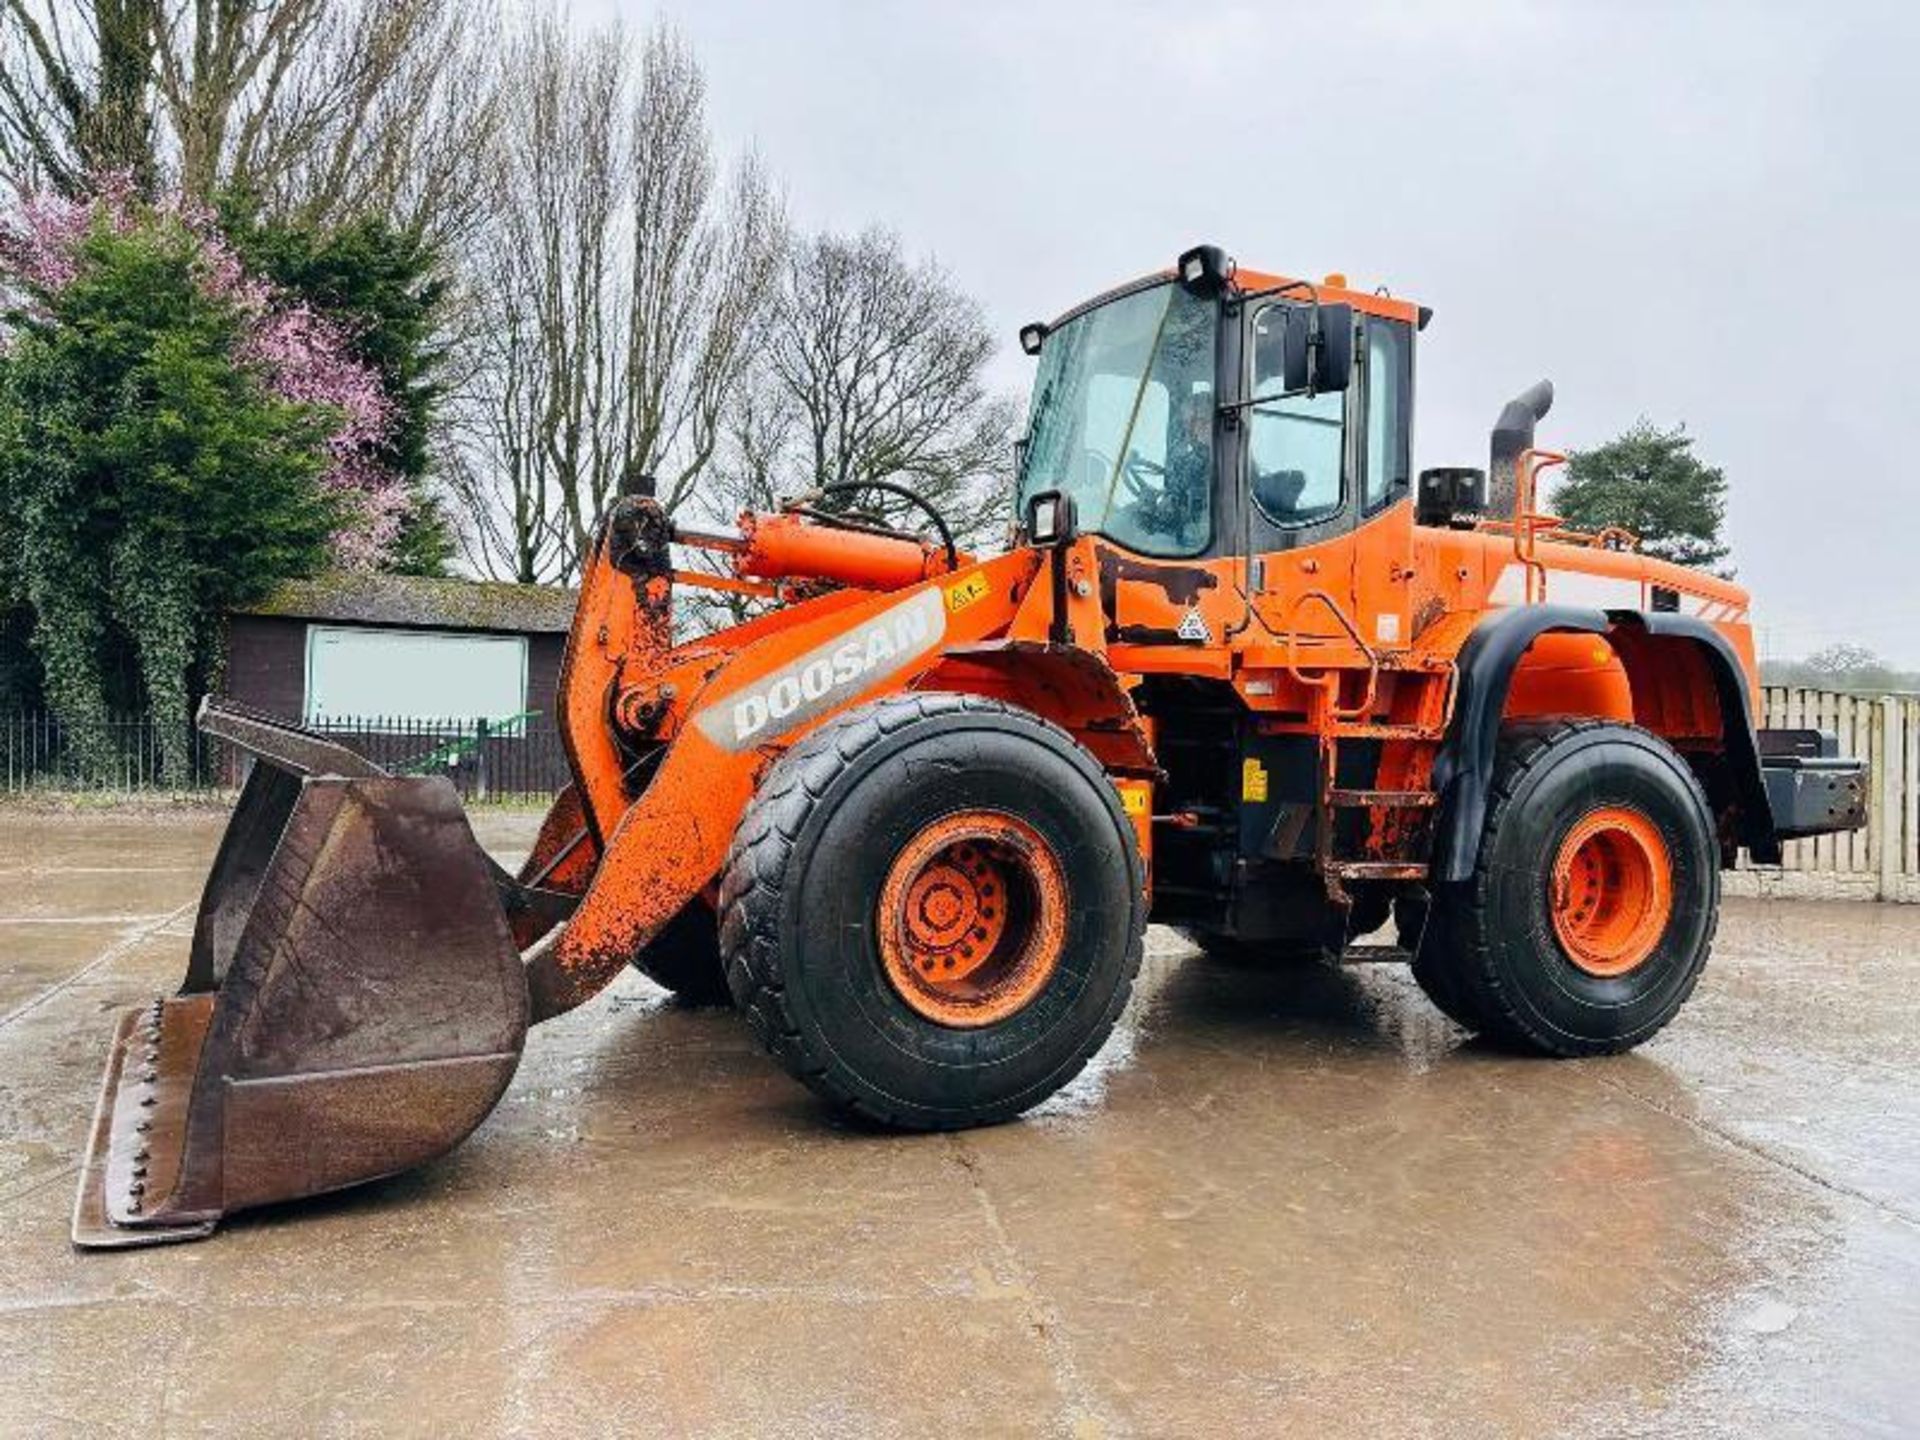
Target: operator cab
x=1196 y=416
x=1122 y=418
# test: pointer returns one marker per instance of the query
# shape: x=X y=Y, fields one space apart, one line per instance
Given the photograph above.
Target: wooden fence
x=1881 y=862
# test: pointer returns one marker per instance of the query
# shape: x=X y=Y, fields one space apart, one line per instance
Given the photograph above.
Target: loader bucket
x=354 y=1004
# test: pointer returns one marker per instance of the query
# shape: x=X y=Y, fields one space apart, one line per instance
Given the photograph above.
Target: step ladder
x=1332 y=723
x=1337 y=800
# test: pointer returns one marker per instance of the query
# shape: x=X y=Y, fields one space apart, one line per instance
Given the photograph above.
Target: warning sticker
x=960 y=596
x=1253 y=780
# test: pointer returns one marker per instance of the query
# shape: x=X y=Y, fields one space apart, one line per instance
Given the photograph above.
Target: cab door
x=1298 y=480
x=1383 y=538
x=1323 y=476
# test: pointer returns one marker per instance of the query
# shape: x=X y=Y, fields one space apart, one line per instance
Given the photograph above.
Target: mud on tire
x=1497 y=956
x=800 y=918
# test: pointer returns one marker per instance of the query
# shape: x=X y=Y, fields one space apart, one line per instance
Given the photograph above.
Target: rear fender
x=671 y=841
x=1688 y=681
x=1463 y=769
x=1654 y=648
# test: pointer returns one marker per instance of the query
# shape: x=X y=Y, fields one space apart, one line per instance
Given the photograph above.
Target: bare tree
x=368 y=105
x=618 y=296
x=324 y=108
x=76 y=90
x=875 y=370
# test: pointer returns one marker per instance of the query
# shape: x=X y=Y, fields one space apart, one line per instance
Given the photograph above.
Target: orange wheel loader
x=1240 y=672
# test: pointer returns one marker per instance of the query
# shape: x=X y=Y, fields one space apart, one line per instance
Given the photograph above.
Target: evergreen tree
x=1650 y=482
x=149 y=481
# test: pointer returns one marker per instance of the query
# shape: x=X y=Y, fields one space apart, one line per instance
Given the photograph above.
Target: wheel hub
x=971 y=919
x=1611 y=891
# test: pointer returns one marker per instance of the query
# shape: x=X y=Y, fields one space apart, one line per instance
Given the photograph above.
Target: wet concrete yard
x=1288 y=1202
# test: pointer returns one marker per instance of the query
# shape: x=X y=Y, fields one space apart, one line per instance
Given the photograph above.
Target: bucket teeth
x=133 y=1165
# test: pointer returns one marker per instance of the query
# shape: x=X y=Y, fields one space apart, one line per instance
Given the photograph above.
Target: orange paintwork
x=1571 y=675
x=972 y=918
x=1357 y=633
x=1366 y=301
x=783 y=545
x=1611 y=891
x=661 y=854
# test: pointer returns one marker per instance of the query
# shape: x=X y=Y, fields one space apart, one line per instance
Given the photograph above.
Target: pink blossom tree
x=176 y=436
x=300 y=355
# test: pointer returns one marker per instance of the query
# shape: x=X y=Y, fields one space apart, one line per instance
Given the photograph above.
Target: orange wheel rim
x=972 y=918
x=1612 y=890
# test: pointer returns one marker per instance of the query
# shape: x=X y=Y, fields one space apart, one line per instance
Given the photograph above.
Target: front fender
x=781 y=684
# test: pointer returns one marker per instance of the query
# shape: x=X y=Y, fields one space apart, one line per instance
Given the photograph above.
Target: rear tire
x=685 y=958
x=849 y=834
x=1594 y=896
x=1424 y=935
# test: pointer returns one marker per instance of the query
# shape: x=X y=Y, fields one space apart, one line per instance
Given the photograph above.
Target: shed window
x=368 y=674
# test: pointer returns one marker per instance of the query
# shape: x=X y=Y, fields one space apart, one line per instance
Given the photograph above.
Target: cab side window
x=1296 y=447
x=1389 y=355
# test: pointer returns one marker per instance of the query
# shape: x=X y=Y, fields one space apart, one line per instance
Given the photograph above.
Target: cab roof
x=1333 y=288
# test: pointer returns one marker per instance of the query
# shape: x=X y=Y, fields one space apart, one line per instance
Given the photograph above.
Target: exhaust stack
x=1512 y=437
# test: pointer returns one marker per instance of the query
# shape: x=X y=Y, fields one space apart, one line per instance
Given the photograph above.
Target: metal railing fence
x=515 y=759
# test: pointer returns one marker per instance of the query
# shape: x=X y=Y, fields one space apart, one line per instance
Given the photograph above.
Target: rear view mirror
x=1317 y=348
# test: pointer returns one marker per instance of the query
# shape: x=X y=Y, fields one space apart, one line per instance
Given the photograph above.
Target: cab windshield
x=1122 y=420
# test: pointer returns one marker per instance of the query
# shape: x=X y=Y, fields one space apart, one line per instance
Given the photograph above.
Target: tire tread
x=1461 y=976
x=753 y=886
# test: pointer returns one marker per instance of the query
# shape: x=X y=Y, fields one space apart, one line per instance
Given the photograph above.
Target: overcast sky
x=1699 y=213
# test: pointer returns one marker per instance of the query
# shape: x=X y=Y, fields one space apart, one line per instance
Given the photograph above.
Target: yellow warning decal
x=960 y=596
x=1253 y=780
x=1133 y=796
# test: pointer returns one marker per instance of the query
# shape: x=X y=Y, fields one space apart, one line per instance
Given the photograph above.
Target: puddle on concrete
x=1279 y=1200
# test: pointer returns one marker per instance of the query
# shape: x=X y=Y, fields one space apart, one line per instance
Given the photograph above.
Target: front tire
x=933 y=911
x=1593 y=900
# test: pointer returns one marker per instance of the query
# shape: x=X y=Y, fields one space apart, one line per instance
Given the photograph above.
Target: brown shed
x=352 y=645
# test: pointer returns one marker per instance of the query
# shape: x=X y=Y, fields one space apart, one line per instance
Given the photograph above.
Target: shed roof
x=410 y=600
